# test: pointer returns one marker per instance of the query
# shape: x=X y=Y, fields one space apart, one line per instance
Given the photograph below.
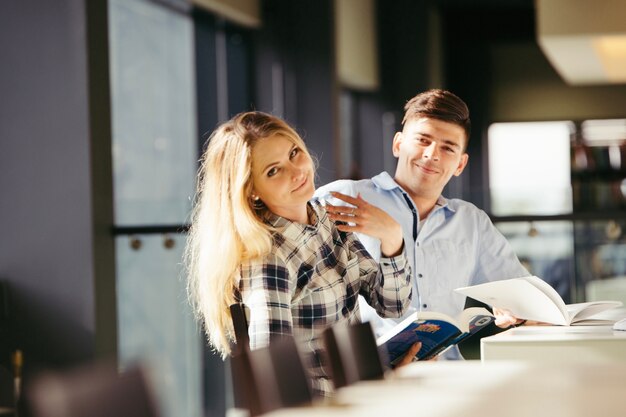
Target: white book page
x=551 y=294
x=581 y=311
x=396 y=329
x=518 y=295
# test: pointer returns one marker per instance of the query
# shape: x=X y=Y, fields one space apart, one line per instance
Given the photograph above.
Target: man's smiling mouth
x=427 y=169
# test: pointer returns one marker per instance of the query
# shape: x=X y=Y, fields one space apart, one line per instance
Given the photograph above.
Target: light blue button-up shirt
x=455 y=246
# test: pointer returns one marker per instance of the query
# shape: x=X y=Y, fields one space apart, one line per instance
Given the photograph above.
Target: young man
x=452 y=242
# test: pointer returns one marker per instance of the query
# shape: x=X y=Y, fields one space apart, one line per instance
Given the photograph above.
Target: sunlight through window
x=529 y=168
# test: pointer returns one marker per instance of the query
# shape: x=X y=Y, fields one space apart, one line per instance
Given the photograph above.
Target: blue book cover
x=436 y=331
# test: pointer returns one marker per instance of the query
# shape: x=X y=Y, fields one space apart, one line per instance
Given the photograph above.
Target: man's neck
x=423 y=203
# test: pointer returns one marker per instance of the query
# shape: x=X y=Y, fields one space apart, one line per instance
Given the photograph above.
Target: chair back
x=279 y=375
x=245 y=393
x=268 y=378
x=352 y=354
x=98 y=391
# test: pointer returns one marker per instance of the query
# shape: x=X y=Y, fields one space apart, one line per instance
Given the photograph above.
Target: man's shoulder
x=467 y=216
x=350 y=187
x=461 y=206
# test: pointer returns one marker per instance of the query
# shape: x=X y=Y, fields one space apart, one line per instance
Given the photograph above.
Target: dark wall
x=469 y=33
x=405 y=43
x=294 y=72
x=55 y=246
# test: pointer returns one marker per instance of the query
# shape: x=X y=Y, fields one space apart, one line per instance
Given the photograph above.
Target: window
x=558 y=193
x=154 y=122
x=529 y=168
x=155 y=144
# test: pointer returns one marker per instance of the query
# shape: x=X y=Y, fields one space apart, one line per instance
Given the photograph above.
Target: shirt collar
x=293 y=229
x=385 y=182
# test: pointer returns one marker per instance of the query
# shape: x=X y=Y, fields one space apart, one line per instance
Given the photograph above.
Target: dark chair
x=353 y=354
x=245 y=393
x=97 y=391
x=268 y=378
x=6 y=389
x=279 y=375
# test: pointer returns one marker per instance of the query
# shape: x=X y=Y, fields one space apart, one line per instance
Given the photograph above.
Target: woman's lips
x=301 y=185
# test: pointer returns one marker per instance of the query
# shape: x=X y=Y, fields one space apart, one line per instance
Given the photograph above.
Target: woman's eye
x=294 y=152
x=272 y=172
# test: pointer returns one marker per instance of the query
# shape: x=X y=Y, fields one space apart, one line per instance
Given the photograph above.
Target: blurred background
x=105 y=107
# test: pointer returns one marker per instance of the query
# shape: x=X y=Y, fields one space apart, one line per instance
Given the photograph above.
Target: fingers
x=410 y=355
x=355 y=201
x=504 y=318
x=343 y=213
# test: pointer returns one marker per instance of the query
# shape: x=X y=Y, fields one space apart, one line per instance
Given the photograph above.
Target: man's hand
x=362 y=217
x=504 y=318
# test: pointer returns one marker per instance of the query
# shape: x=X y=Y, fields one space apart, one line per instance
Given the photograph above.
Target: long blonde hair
x=227 y=227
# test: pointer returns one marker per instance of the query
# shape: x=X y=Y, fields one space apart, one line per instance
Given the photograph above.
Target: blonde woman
x=256 y=238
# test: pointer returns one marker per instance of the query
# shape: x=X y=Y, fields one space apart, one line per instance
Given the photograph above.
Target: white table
x=557 y=344
x=475 y=389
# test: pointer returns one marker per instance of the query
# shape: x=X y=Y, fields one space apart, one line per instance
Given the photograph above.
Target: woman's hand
x=360 y=216
x=410 y=355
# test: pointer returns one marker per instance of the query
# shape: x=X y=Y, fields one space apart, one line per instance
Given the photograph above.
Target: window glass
x=154 y=162
x=601 y=259
x=155 y=324
x=529 y=168
x=153 y=113
x=546 y=248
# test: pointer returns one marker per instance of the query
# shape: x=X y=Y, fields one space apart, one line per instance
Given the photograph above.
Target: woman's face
x=282 y=177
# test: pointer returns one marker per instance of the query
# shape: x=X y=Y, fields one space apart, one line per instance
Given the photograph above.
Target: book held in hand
x=436 y=331
x=531 y=298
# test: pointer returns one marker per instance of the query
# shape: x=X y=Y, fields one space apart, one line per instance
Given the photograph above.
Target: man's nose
x=432 y=152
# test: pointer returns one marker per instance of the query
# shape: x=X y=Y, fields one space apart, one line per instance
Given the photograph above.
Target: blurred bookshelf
x=582 y=241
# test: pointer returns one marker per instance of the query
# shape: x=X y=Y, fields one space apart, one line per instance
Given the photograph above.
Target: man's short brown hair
x=441 y=105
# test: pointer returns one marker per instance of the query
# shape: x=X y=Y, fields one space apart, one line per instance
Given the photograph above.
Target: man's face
x=429 y=153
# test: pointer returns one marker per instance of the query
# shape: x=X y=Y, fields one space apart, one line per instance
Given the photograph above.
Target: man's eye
x=272 y=172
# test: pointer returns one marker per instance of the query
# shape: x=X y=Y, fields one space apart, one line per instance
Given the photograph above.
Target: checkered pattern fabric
x=311 y=280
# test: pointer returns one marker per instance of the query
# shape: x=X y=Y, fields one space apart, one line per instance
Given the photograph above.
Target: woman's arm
x=386 y=286
x=266 y=291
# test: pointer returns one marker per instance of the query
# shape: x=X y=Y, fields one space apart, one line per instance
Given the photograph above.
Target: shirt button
x=425 y=305
x=420 y=275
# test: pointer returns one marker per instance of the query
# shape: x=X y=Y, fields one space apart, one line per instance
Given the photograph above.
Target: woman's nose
x=296 y=173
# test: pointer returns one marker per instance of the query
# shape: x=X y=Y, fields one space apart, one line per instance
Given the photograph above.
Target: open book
x=436 y=331
x=531 y=298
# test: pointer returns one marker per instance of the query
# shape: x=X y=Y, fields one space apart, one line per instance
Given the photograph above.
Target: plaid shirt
x=311 y=280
